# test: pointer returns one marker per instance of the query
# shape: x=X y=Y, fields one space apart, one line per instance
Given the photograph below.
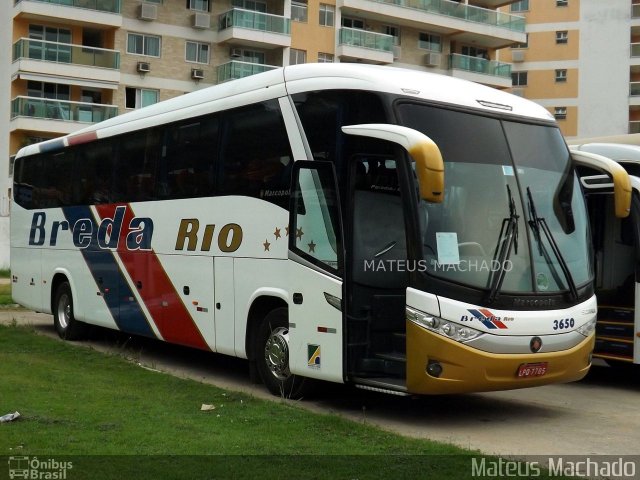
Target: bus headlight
x=588 y=328
x=451 y=330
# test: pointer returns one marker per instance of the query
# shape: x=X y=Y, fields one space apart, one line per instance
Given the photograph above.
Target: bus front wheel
x=272 y=356
x=66 y=325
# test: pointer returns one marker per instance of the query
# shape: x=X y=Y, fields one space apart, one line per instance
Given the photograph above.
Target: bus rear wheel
x=66 y=325
x=272 y=356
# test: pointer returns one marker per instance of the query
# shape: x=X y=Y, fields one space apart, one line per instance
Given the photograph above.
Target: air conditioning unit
x=143 y=67
x=517 y=56
x=235 y=53
x=197 y=73
x=201 y=20
x=397 y=51
x=148 y=12
x=432 y=59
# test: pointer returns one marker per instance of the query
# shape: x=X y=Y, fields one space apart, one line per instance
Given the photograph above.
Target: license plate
x=532 y=370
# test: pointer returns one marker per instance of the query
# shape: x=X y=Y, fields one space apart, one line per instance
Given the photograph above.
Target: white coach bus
x=401 y=231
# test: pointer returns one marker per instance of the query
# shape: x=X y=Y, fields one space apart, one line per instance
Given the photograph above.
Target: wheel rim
x=64 y=310
x=276 y=353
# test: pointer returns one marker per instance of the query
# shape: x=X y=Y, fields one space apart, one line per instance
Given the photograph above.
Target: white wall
x=604 y=67
x=6 y=8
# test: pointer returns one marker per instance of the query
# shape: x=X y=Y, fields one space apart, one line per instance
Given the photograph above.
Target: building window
x=561 y=75
x=562 y=3
x=429 y=41
x=139 y=44
x=197 y=52
x=54 y=91
x=199 y=5
x=299 y=11
x=519 y=79
x=252 y=5
x=353 y=23
x=327 y=15
x=297 y=56
x=140 y=97
x=562 y=36
x=521 y=6
x=325 y=57
x=560 y=113
x=394 y=32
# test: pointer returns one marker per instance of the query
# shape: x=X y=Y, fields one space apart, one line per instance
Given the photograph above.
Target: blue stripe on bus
x=51 y=145
x=127 y=313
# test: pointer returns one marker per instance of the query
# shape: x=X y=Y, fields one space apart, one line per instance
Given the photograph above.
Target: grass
x=78 y=402
x=5 y=295
x=5 y=273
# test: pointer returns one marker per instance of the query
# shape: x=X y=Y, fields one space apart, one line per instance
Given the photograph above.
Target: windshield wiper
x=507 y=239
x=539 y=223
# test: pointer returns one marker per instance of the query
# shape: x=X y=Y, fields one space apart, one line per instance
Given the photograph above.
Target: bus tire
x=67 y=326
x=272 y=356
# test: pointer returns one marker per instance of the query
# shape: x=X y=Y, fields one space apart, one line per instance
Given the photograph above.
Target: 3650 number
x=563 y=324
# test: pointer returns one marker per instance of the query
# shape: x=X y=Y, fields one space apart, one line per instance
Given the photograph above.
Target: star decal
x=312 y=247
x=299 y=233
x=266 y=245
x=277 y=233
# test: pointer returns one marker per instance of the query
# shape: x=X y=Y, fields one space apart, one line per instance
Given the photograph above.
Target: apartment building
x=75 y=62
x=581 y=61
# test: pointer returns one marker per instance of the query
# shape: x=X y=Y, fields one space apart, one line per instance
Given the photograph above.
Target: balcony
x=59 y=116
x=480 y=70
x=237 y=69
x=468 y=23
x=634 y=126
x=361 y=45
x=89 y=66
x=635 y=10
x=102 y=13
x=634 y=94
x=254 y=29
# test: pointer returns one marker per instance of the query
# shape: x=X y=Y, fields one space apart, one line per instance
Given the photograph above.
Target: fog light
x=434 y=368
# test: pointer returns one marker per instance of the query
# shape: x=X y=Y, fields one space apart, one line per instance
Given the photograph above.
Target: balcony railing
x=27 y=48
x=635 y=10
x=253 y=20
x=61 y=110
x=634 y=126
x=364 y=39
x=634 y=89
x=480 y=65
x=111 y=6
x=635 y=49
x=461 y=11
x=237 y=69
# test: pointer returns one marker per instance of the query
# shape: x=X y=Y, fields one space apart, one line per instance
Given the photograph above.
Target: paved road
x=599 y=415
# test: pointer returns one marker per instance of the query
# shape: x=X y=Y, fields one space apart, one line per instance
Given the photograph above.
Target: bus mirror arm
x=423 y=150
x=621 y=182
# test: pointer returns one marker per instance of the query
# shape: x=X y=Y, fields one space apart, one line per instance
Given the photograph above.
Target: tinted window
x=256 y=158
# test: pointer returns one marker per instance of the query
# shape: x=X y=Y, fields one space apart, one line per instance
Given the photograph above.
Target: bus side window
x=255 y=154
x=189 y=155
x=136 y=166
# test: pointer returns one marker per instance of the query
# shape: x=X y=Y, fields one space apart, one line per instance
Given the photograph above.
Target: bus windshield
x=513 y=218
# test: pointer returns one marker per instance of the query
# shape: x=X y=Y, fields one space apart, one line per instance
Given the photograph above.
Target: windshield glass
x=496 y=174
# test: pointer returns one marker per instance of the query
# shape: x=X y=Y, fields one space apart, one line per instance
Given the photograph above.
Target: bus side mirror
x=621 y=182
x=423 y=150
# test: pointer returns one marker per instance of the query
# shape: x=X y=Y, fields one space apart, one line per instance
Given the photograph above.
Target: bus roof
x=300 y=78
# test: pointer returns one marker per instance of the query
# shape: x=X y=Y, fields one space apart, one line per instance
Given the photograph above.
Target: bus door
x=377 y=271
x=316 y=254
x=615 y=241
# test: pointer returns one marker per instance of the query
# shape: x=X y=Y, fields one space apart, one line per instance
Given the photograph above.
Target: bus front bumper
x=465 y=369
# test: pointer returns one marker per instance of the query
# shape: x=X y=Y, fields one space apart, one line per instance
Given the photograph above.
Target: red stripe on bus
x=82 y=138
x=167 y=310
